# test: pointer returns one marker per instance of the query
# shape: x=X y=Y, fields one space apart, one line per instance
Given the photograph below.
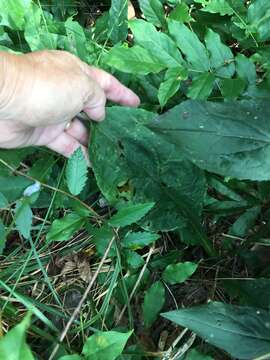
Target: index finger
x=114 y=90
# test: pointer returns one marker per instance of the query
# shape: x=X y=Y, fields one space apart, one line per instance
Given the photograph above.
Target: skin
x=41 y=92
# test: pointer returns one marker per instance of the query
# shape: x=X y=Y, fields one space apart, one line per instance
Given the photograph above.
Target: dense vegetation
x=161 y=249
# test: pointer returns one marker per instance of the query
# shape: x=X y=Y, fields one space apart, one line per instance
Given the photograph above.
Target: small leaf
x=190 y=45
x=76 y=172
x=153 y=12
x=70 y=357
x=130 y=214
x=76 y=39
x=153 y=303
x=218 y=7
x=23 y=218
x=181 y=13
x=171 y=84
x=232 y=88
x=221 y=56
x=158 y=44
x=134 y=60
x=178 y=273
x=107 y=345
x=241 y=331
x=241 y=226
x=245 y=68
x=138 y=240
x=63 y=229
x=118 y=22
x=201 y=87
x=133 y=260
x=13 y=344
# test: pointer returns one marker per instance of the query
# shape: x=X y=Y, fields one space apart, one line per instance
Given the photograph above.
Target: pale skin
x=41 y=92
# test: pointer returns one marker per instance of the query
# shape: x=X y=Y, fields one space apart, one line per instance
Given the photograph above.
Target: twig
x=79 y=306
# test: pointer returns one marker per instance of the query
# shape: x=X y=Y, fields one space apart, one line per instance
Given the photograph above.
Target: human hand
x=41 y=92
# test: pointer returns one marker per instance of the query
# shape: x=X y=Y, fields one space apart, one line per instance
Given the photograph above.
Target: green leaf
x=107 y=345
x=138 y=240
x=218 y=7
x=63 y=229
x=245 y=68
x=201 y=87
x=130 y=214
x=13 y=13
x=158 y=44
x=258 y=17
x=153 y=303
x=76 y=39
x=153 y=11
x=196 y=355
x=12 y=187
x=241 y=226
x=70 y=357
x=231 y=138
x=232 y=88
x=190 y=45
x=13 y=345
x=23 y=218
x=138 y=158
x=152 y=167
x=118 y=23
x=2 y=237
x=133 y=260
x=171 y=84
x=241 y=331
x=76 y=172
x=134 y=60
x=181 y=13
x=221 y=56
x=178 y=273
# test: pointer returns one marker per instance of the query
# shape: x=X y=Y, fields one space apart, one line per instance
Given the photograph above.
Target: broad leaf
x=13 y=13
x=118 y=23
x=134 y=60
x=171 y=84
x=245 y=68
x=63 y=229
x=178 y=273
x=242 y=331
x=221 y=7
x=105 y=345
x=76 y=39
x=231 y=89
x=181 y=13
x=153 y=12
x=190 y=45
x=13 y=344
x=201 y=87
x=70 y=357
x=138 y=240
x=130 y=214
x=242 y=225
x=158 y=44
x=221 y=56
x=12 y=187
x=23 y=218
x=153 y=302
x=231 y=139
x=76 y=172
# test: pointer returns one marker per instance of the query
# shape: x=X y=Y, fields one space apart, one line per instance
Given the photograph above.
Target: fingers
x=94 y=105
x=65 y=144
x=114 y=90
x=78 y=131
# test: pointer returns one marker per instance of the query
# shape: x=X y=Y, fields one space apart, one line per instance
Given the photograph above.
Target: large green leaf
x=221 y=56
x=242 y=331
x=107 y=345
x=118 y=23
x=231 y=139
x=178 y=273
x=137 y=240
x=190 y=45
x=12 y=187
x=202 y=86
x=152 y=168
x=13 y=13
x=63 y=229
x=134 y=60
x=158 y=44
x=130 y=214
x=221 y=7
x=153 y=302
x=13 y=345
